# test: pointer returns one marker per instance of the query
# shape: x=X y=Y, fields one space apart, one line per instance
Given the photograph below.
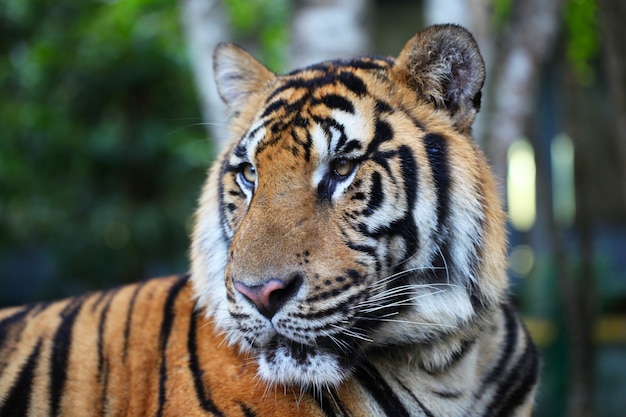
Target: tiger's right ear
x=238 y=74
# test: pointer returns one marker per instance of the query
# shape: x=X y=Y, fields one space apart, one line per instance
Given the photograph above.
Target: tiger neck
x=443 y=354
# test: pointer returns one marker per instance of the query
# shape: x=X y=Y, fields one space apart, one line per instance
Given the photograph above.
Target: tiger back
x=348 y=259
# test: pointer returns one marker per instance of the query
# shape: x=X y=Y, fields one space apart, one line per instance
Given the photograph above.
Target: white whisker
x=445 y=264
x=408 y=322
x=385 y=281
x=352 y=333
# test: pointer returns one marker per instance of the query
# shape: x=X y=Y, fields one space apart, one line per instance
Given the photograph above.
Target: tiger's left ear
x=443 y=65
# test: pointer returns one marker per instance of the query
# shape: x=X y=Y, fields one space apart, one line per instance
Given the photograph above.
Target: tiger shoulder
x=348 y=259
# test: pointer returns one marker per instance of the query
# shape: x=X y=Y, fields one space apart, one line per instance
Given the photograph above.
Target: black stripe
x=11 y=328
x=298 y=82
x=437 y=153
x=305 y=143
x=352 y=83
x=383 y=159
x=325 y=403
x=101 y=327
x=518 y=384
x=351 y=145
x=240 y=151
x=335 y=101
x=377 y=195
x=61 y=345
x=476 y=255
x=366 y=63
x=225 y=229
x=328 y=184
x=383 y=394
x=17 y=401
x=104 y=377
x=204 y=397
x=166 y=328
x=447 y=394
x=270 y=108
x=247 y=412
x=40 y=307
x=382 y=133
x=8 y=325
x=369 y=250
x=382 y=107
x=329 y=125
x=101 y=296
x=426 y=411
x=350 y=301
x=510 y=340
x=129 y=318
x=103 y=363
x=409 y=175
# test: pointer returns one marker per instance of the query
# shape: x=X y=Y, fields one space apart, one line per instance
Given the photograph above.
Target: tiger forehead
x=346 y=72
x=314 y=95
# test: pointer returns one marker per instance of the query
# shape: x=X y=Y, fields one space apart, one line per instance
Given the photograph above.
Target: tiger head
x=351 y=210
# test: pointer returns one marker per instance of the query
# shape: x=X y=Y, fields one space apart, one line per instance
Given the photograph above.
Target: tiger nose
x=270 y=296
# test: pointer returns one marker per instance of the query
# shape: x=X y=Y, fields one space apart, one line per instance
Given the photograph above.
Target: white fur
x=209 y=262
x=322 y=370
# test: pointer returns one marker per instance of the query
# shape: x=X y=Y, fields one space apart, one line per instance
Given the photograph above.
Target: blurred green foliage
x=583 y=37
x=581 y=31
x=501 y=14
x=101 y=150
x=264 y=22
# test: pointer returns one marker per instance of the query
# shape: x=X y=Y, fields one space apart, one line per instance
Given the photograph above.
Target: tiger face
x=351 y=210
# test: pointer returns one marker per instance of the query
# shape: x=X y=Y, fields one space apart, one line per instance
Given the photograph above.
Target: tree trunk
x=578 y=289
x=519 y=62
x=205 y=25
x=449 y=11
x=328 y=29
x=612 y=14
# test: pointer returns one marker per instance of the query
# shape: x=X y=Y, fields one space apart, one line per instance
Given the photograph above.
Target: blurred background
x=109 y=120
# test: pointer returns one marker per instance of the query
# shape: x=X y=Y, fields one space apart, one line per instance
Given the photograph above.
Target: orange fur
x=131 y=382
x=348 y=259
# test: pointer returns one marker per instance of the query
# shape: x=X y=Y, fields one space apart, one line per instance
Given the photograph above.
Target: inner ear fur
x=238 y=75
x=443 y=65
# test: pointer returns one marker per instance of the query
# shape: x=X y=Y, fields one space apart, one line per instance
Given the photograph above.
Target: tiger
x=348 y=259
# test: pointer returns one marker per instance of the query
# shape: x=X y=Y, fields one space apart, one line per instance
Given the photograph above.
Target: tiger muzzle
x=271 y=295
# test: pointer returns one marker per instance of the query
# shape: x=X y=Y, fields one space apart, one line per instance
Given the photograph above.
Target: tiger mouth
x=287 y=362
x=301 y=352
x=296 y=350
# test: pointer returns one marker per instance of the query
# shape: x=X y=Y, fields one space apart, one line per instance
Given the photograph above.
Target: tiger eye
x=249 y=173
x=342 y=167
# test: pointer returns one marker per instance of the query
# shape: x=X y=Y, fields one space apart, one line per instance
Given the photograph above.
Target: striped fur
x=144 y=350
x=348 y=259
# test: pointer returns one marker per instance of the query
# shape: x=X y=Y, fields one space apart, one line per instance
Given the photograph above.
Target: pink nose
x=270 y=296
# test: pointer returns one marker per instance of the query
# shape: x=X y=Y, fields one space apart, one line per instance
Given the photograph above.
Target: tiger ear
x=238 y=74
x=443 y=64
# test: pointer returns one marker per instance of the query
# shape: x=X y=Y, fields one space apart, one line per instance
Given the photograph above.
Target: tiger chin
x=348 y=259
